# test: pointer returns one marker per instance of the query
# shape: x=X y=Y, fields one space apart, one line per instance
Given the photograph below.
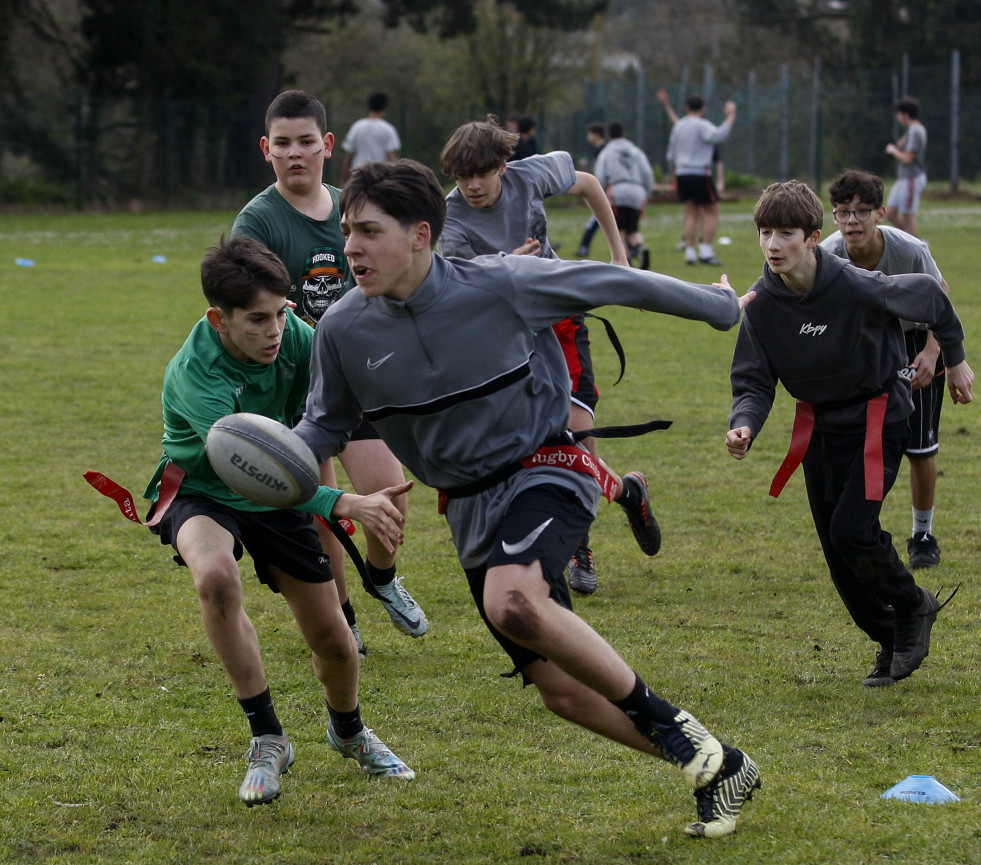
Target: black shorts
x=574 y=338
x=628 y=218
x=924 y=423
x=567 y=523
x=697 y=188
x=284 y=539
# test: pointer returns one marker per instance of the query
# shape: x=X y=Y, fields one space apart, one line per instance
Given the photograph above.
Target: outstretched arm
x=376 y=513
x=592 y=192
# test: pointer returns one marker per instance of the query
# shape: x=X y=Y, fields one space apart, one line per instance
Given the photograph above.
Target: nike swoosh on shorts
x=526 y=541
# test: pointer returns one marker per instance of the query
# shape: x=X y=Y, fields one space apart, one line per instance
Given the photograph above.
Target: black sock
x=625 y=499
x=348 y=611
x=646 y=709
x=380 y=576
x=346 y=725
x=261 y=714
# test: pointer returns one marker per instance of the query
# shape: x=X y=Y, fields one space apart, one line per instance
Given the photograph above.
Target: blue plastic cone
x=921 y=788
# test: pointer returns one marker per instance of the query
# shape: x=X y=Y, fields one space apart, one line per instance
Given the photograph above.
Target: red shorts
x=574 y=338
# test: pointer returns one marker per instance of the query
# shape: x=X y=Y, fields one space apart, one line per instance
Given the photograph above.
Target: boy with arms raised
x=297 y=218
x=456 y=364
x=499 y=206
x=856 y=197
x=832 y=334
x=251 y=354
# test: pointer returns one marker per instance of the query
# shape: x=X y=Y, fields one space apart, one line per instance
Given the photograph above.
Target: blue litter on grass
x=24 y=262
x=921 y=788
x=159 y=259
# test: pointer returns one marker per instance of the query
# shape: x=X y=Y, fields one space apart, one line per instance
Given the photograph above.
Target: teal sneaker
x=372 y=754
x=268 y=757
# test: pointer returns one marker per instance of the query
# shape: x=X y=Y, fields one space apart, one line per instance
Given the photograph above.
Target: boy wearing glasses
x=832 y=334
x=856 y=197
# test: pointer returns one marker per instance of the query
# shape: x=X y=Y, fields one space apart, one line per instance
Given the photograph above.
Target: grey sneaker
x=924 y=551
x=269 y=757
x=362 y=651
x=582 y=572
x=720 y=802
x=691 y=748
x=372 y=754
x=911 y=636
x=879 y=677
x=402 y=608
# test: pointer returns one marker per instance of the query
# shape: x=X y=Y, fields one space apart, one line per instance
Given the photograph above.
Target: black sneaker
x=582 y=571
x=645 y=258
x=642 y=521
x=712 y=260
x=911 y=636
x=720 y=802
x=879 y=677
x=924 y=551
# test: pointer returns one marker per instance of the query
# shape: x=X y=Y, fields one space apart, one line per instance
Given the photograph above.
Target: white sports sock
x=922 y=521
x=690 y=253
x=705 y=250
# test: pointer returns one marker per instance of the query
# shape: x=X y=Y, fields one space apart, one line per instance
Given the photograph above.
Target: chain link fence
x=95 y=152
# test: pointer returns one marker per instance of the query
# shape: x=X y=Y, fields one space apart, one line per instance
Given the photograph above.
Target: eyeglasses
x=862 y=214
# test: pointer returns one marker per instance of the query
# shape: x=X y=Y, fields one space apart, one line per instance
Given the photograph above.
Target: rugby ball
x=262 y=460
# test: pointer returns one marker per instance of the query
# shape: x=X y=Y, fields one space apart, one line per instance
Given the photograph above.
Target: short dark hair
x=908 y=105
x=694 y=102
x=789 y=204
x=406 y=190
x=526 y=123
x=236 y=269
x=596 y=129
x=867 y=186
x=476 y=148
x=378 y=101
x=615 y=129
x=297 y=103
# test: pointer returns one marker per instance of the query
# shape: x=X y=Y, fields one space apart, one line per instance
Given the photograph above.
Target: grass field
x=124 y=742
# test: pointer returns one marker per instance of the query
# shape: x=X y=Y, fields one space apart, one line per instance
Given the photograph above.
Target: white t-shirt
x=371 y=139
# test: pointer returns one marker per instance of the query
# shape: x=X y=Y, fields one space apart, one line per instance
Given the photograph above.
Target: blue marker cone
x=921 y=788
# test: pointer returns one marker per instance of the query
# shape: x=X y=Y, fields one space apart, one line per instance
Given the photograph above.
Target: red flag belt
x=800 y=438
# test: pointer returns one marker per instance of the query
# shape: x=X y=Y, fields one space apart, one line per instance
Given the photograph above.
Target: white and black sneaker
x=720 y=802
x=691 y=748
x=402 y=608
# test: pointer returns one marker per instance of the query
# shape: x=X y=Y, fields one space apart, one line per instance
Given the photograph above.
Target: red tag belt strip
x=170 y=483
x=800 y=438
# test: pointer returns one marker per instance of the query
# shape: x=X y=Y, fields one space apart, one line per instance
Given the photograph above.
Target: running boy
x=457 y=365
x=832 y=334
x=297 y=218
x=499 y=206
x=856 y=197
x=250 y=353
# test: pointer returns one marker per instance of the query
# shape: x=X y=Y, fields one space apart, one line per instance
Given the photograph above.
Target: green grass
x=123 y=741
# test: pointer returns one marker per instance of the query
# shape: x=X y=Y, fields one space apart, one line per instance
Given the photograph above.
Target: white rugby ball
x=262 y=460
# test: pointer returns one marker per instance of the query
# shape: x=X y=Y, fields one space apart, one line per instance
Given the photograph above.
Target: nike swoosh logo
x=374 y=364
x=527 y=541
